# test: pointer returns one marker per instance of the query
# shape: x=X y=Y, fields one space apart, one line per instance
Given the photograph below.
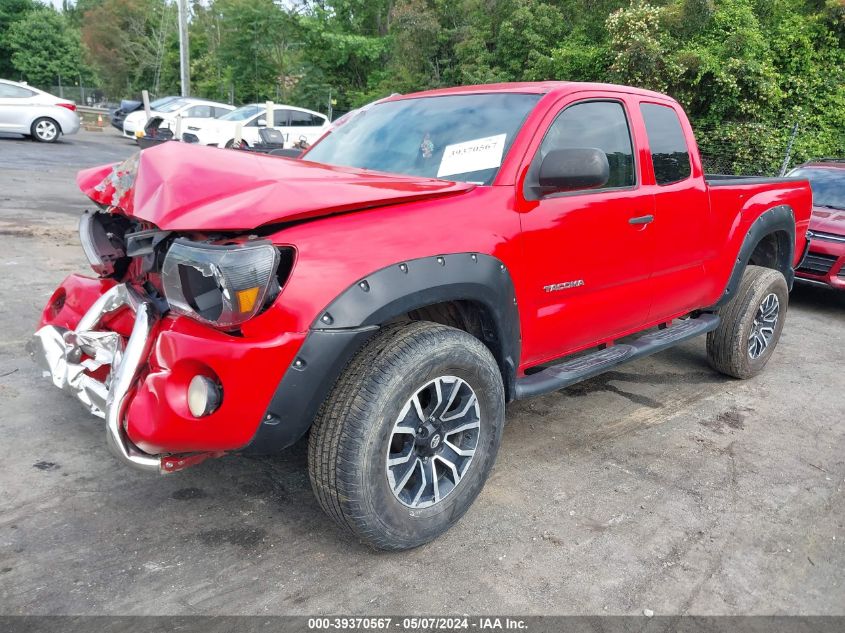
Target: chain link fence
x=763 y=149
x=81 y=95
x=744 y=149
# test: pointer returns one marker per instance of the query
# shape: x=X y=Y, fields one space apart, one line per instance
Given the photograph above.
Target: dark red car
x=825 y=260
x=434 y=257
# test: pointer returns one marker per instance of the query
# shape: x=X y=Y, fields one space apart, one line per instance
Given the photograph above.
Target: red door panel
x=673 y=174
x=590 y=267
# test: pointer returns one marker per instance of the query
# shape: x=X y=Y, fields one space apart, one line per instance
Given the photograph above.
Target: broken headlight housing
x=102 y=238
x=219 y=285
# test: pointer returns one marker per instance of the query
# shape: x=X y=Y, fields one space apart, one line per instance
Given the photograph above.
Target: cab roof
x=532 y=87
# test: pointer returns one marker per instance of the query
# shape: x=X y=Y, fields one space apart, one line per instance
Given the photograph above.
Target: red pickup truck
x=429 y=260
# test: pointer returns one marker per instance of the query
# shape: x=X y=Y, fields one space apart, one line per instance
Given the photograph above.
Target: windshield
x=455 y=137
x=155 y=105
x=242 y=113
x=828 y=185
x=172 y=106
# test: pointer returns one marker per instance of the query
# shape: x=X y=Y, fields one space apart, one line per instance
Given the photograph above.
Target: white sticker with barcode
x=470 y=156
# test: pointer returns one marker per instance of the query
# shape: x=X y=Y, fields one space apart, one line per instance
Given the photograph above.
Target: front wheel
x=751 y=324
x=45 y=130
x=405 y=441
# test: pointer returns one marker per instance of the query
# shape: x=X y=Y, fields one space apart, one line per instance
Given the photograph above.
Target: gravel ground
x=661 y=486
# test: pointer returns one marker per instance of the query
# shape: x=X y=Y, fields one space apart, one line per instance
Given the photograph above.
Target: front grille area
x=817 y=264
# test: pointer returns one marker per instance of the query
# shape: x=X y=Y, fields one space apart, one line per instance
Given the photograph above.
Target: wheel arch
x=471 y=291
x=769 y=242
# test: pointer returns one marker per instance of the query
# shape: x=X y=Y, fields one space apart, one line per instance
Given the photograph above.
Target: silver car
x=32 y=112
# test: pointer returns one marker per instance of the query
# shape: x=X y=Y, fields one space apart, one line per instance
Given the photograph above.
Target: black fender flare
x=347 y=323
x=778 y=218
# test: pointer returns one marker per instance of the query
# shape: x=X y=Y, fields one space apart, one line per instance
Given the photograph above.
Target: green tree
x=640 y=47
x=10 y=12
x=45 y=47
x=257 y=47
x=126 y=41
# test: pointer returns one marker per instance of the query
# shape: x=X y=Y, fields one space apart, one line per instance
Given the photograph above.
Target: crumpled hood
x=182 y=187
x=828 y=221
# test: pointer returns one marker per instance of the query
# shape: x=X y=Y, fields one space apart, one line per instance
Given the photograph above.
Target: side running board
x=584 y=367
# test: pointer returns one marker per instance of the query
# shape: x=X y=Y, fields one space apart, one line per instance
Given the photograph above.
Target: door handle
x=643 y=219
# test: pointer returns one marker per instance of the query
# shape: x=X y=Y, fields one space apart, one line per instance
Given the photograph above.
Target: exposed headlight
x=220 y=285
x=101 y=235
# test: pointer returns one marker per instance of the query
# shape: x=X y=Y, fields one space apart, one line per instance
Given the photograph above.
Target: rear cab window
x=667 y=141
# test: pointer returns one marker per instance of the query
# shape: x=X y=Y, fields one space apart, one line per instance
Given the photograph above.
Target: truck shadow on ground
x=825 y=301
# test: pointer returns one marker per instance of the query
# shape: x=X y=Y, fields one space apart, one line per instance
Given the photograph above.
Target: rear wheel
x=45 y=130
x=751 y=324
x=405 y=441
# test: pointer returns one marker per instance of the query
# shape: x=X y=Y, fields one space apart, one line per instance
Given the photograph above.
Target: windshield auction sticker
x=470 y=156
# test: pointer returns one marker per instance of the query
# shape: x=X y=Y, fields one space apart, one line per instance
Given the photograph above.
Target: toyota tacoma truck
x=433 y=258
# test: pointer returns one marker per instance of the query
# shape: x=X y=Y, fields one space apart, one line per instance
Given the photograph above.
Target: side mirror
x=261 y=123
x=573 y=169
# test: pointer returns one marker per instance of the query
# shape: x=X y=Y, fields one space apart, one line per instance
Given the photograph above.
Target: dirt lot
x=662 y=486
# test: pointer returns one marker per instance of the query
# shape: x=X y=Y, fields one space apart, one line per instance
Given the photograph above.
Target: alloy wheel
x=433 y=442
x=46 y=130
x=763 y=328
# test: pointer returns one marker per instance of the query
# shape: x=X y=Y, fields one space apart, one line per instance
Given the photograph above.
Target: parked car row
x=294 y=123
x=164 y=115
x=216 y=124
x=32 y=112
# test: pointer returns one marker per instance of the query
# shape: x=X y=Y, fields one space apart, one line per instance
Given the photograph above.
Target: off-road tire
x=728 y=344
x=349 y=439
x=41 y=128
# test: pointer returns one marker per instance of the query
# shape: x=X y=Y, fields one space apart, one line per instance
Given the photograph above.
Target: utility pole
x=184 y=60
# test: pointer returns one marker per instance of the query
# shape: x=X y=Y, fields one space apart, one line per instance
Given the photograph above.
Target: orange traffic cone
x=100 y=120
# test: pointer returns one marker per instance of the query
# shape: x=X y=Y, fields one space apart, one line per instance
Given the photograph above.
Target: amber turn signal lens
x=246 y=299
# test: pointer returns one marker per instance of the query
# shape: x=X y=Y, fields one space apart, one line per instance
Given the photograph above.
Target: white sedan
x=32 y=112
x=294 y=123
x=186 y=107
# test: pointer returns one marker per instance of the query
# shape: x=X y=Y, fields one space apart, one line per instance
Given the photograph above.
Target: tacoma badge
x=563 y=285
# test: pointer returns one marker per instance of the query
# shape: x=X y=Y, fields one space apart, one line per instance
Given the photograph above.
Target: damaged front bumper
x=109 y=346
x=69 y=356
